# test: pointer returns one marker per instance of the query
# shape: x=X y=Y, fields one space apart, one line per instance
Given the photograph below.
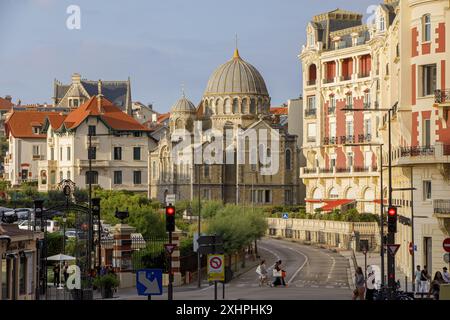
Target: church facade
x=227 y=148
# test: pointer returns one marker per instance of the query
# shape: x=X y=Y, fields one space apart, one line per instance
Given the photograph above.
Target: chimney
x=8 y=97
x=99 y=96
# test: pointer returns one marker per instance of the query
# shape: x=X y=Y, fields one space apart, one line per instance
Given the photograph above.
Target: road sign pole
x=170 y=287
x=215 y=290
x=223 y=290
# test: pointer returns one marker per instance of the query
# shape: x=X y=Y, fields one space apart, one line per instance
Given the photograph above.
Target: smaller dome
x=183 y=105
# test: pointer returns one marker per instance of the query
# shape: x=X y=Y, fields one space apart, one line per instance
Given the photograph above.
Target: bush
x=106 y=281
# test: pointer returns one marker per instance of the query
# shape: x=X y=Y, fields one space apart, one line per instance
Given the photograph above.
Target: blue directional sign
x=285 y=215
x=149 y=282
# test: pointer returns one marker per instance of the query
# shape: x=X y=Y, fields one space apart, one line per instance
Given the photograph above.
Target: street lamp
x=391 y=235
x=381 y=201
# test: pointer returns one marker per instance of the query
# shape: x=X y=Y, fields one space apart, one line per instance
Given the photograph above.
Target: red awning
x=333 y=204
x=379 y=201
x=314 y=200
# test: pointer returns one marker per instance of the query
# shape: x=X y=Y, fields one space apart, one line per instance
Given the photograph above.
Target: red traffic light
x=392 y=211
x=170 y=211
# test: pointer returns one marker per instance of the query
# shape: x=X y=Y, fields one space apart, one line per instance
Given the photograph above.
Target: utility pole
x=199 y=267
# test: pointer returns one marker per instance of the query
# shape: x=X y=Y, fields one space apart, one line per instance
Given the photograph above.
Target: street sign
x=393 y=248
x=149 y=282
x=170 y=247
x=447 y=257
x=446 y=245
x=170 y=199
x=209 y=249
x=216 y=268
x=285 y=215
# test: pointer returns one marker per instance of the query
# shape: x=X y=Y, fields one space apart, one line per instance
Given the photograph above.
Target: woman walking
x=277 y=273
x=435 y=287
x=360 y=285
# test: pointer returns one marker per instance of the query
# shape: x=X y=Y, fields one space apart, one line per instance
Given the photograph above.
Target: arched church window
x=252 y=106
x=227 y=106
x=235 y=106
x=244 y=105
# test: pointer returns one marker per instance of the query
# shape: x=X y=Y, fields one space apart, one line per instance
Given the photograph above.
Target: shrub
x=106 y=281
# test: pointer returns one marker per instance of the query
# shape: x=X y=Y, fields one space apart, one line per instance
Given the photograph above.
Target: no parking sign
x=216 y=268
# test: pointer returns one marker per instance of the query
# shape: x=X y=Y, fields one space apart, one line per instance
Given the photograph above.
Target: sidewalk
x=374 y=259
x=131 y=293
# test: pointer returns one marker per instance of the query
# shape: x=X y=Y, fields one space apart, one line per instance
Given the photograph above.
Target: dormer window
x=36 y=129
x=74 y=102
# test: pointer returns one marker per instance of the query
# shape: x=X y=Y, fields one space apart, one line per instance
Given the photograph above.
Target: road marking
x=301 y=267
x=332 y=267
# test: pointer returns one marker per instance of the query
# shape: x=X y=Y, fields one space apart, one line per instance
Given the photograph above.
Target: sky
x=161 y=45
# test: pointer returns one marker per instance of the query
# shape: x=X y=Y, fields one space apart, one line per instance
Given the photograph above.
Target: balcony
x=346 y=77
x=364 y=138
x=95 y=163
x=363 y=75
x=442 y=96
x=439 y=153
x=310 y=113
x=367 y=105
x=331 y=110
x=311 y=139
x=347 y=139
x=442 y=214
x=330 y=141
x=311 y=82
x=38 y=157
x=333 y=172
x=326 y=81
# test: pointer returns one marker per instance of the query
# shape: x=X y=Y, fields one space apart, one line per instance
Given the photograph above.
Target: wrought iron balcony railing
x=364 y=74
x=331 y=80
x=311 y=82
x=417 y=151
x=310 y=112
x=442 y=96
x=309 y=170
x=367 y=105
x=331 y=110
x=441 y=206
x=364 y=138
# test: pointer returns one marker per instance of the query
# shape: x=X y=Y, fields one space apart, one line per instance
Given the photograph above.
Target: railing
x=326 y=170
x=364 y=138
x=329 y=141
x=311 y=82
x=331 y=110
x=417 y=151
x=311 y=139
x=346 y=77
x=347 y=139
x=442 y=96
x=441 y=206
x=309 y=170
x=364 y=75
x=367 y=105
x=310 y=112
x=343 y=170
x=331 y=80
x=361 y=169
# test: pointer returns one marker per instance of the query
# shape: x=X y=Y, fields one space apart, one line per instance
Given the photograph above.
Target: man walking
x=424 y=277
x=417 y=279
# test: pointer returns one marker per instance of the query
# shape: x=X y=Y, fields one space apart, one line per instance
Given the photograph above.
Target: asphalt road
x=312 y=274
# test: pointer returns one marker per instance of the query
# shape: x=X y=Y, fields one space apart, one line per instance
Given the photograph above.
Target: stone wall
x=340 y=234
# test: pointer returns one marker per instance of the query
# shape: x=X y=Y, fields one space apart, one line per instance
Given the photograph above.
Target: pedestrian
x=424 y=277
x=360 y=284
x=370 y=283
x=261 y=270
x=283 y=272
x=445 y=275
x=56 y=275
x=66 y=271
x=435 y=286
x=277 y=273
x=417 y=281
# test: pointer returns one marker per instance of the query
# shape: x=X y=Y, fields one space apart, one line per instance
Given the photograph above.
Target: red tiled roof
x=56 y=120
x=5 y=104
x=279 y=110
x=163 y=117
x=333 y=204
x=20 y=123
x=109 y=113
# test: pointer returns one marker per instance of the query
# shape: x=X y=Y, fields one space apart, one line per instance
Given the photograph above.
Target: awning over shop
x=334 y=204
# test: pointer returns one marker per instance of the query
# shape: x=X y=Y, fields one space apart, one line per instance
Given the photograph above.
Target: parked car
x=2 y=210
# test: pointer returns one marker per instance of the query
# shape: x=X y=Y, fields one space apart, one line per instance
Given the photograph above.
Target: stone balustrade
x=339 y=234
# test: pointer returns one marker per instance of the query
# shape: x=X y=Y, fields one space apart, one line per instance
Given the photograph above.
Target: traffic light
x=170 y=218
x=392 y=219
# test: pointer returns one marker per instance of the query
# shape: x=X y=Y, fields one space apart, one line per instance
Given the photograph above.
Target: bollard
x=406 y=283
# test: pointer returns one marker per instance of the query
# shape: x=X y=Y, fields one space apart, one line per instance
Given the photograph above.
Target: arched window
x=260 y=105
x=43 y=177
x=92 y=177
x=52 y=177
x=235 y=106
x=252 y=106
x=178 y=124
x=288 y=159
x=426 y=21
x=217 y=107
x=227 y=106
x=334 y=194
x=244 y=105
